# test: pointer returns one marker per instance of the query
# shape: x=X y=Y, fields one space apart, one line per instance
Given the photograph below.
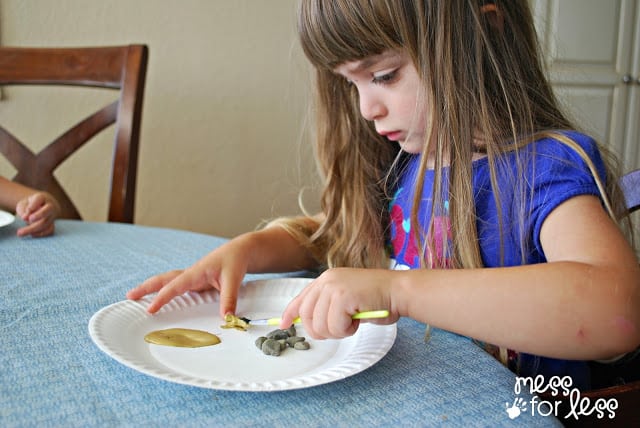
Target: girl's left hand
x=39 y=211
x=327 y=304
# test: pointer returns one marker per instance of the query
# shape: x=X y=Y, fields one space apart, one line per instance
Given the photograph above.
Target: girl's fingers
x=339 y=321
x=42 y=214
x=164 y=296
x=304 y=306
x=287 y=317
x=152 y=285
x=27 y=230
x=325 y=308
x=27 y=207
x=229 y=286
x=38 y=215
x=46 y=231
x=21 y=209
x=177 y=287
x=292 y=311
x=39 y=228
x=319 y=310
x=201 y=276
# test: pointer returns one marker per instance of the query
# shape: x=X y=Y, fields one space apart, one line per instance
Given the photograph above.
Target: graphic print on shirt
x=405 y=251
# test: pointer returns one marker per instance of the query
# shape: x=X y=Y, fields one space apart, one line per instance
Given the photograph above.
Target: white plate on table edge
x=235 y=364
x=6 y=218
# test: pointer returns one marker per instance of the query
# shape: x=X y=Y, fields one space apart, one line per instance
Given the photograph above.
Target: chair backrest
x=630 y=184
x=120 y=68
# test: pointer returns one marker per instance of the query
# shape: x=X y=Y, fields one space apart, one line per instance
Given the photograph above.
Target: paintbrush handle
x=357 y=316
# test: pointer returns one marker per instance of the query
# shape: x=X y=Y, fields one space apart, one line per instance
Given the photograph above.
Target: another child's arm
x=38 y=209
x=269 y=250
x=583 y=304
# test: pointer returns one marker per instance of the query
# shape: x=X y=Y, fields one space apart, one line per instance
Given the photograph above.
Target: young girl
x=37 y=209
x=442 y=146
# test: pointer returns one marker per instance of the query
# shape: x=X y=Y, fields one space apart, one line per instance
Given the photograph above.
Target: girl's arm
x=271 y=249
x=583 y=304
x=11 y=193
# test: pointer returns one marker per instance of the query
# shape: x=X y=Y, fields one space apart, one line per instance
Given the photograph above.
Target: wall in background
x=223 y=145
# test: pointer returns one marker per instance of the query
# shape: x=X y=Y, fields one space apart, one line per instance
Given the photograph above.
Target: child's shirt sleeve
x=558 y=174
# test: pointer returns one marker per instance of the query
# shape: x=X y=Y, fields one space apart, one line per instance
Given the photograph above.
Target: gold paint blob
x=232 y=321
x=182 y=338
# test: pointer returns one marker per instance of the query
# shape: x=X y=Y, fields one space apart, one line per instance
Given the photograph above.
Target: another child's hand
x=223 y=269
x=327 y=304
x=39 y=210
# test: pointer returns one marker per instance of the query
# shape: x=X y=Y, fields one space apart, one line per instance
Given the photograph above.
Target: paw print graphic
x=518 y=406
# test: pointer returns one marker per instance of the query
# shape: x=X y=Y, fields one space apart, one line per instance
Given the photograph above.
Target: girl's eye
x=385 y=78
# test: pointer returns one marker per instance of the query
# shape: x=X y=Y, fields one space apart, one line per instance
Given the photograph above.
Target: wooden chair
x=630 y=184
x=120 y=68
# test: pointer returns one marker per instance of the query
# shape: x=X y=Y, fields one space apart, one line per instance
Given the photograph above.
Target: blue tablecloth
x=53 y=375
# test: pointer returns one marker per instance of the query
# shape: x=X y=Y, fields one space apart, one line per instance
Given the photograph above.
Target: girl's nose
x=371 y=107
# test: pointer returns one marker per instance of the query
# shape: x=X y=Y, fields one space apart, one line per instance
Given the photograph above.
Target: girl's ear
x=493 y=15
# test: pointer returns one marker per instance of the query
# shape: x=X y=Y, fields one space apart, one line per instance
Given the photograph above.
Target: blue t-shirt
x=556 y=172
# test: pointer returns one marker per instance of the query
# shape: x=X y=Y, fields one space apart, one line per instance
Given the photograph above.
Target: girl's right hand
x=223 y=269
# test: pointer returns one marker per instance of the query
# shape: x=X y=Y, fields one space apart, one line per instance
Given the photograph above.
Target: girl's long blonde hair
x=482 y=73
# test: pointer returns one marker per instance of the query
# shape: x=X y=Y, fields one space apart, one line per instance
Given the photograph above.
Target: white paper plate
x=236 y=363
x=6 y=218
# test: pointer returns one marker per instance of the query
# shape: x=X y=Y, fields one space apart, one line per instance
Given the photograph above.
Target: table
x=53 y=374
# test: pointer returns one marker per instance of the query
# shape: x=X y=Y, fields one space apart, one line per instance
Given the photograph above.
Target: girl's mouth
x=392 y=136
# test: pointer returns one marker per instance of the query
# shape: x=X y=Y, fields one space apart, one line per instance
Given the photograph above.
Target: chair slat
x=100 y=66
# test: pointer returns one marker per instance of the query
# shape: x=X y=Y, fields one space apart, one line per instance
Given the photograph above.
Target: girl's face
x=388 y=86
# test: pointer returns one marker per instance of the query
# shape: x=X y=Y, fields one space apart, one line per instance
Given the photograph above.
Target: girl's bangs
x=336 y=31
